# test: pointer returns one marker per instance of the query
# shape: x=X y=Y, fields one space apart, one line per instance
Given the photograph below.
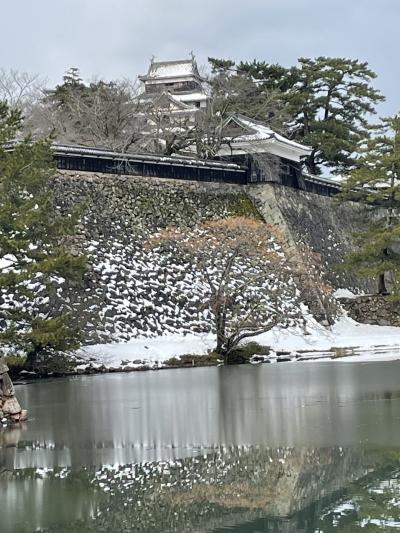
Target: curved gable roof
x=254 y=131
x=160 y=70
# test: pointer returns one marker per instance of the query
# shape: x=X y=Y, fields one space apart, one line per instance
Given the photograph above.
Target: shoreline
x=381 y=354
x=345 y=341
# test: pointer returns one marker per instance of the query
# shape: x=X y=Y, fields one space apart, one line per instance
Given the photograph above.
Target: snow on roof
x=167 y=95
x=180 y=102
x=191 y=97
x=171 y=69
x=260 y=132
x=323 y=180
x=81 y=150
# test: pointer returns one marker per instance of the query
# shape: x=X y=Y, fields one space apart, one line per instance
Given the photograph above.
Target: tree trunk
x=220 y=332
x=306 y=122
x=310 y=163
x=382 y=284
x=31 y=358
x=219 y=347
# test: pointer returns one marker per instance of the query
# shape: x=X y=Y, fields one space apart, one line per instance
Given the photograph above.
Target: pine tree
x=35 y=262
x=334 y=98
x=376 y=182
x=270 y=76
x=72 y=84
x=221 y=66
x=236 y=90
x=328 y=101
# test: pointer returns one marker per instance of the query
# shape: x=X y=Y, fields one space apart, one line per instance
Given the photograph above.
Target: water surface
x=287 y=447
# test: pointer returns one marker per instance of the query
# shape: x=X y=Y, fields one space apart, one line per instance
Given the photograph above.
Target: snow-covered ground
x=345 y=333
x=148 y=351
x=356 y=342
x=344 y=293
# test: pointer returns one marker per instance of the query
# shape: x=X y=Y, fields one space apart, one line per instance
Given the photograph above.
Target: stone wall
x=318 y=221
x=130 y=291
x=373 y=309
x=144 y=203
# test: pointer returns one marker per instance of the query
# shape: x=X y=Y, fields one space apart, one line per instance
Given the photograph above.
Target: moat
x=283 y=448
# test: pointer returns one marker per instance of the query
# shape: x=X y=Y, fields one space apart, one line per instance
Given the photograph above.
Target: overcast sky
x=116 y=38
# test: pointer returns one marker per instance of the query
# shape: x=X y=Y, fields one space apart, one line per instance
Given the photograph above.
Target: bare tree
x=249 y=283
x=22 y=92
x=235 y=93
x=113 y=115
x=166 y=127
x=315 y=290
x=103 y=114
x=238 y=92
x=20 y=89
x=107 y=115
x=209 y=134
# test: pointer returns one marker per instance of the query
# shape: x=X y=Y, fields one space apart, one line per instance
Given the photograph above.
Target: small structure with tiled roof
x=245 y=135
x=268 y=155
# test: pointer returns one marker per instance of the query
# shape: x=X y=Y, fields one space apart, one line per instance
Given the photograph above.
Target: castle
x=180 y=79
x=245 y=140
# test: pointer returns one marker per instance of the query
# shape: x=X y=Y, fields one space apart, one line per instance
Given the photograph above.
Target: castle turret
x=179 y=78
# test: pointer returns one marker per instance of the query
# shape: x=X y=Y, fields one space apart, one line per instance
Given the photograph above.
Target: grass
x=240 y=355
x=55 y=364
x=211 y=359
x=245 y=352
x=245 y=207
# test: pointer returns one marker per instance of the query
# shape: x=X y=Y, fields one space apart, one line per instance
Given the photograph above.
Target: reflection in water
x=284 y=448
x=236 y=489
x=372 y=504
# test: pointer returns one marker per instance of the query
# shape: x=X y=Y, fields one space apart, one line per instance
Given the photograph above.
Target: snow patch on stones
x=345 y=341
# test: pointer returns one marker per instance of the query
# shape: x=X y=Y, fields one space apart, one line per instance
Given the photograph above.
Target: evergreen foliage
x=376 y=182
x=35 y=260
x=334 y=97
x=271 y=76
x=328 y=101
x=236 y=90
x=221 y=66
x=62 y=94
x=324 y=102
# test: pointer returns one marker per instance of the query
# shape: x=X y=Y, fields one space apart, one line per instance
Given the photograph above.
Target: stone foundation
x=326 y=226
x=131 y=290
x=373 y=309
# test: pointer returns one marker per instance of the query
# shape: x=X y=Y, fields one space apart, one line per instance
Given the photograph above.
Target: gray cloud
x=117 y=38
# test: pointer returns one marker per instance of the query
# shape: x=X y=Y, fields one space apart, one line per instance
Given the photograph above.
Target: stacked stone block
x=10 y=410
